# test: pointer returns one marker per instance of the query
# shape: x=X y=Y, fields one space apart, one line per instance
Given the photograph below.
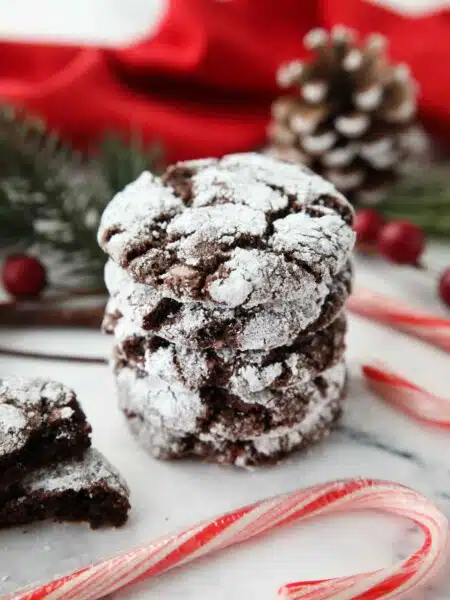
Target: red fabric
x=203 y=84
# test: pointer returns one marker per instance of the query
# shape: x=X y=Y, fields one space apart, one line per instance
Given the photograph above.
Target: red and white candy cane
x=411 y=398
x=396 y=314
x=235 y=527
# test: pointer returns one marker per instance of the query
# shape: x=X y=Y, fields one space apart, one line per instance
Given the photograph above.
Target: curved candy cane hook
x=240 y=525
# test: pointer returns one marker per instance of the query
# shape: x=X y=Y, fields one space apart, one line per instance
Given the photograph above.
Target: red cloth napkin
x=204 y=83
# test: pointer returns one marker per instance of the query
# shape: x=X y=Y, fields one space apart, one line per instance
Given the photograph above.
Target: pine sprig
x=423 y=198
x=120 y=162
x=51 y=197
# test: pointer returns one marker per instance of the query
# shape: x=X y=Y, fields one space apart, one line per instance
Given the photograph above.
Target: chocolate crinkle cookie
x=47 y=468
x=238 y=371
x=202 y=325
x=256 y=429
x=240 y=231
x=227 y=280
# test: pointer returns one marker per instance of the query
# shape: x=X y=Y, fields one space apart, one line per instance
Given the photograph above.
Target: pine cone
x=354 y=119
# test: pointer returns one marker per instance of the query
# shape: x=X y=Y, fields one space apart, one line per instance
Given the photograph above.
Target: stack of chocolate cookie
x=228 y=280
x=47 y=467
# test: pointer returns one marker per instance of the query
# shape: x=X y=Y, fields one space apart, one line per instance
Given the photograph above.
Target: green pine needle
x=423 y=198
x=121 y=162
x=52 y=198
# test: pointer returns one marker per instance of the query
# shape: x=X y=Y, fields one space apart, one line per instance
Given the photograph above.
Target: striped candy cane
x=245 y=523
x=395 y=314
x=411 y=398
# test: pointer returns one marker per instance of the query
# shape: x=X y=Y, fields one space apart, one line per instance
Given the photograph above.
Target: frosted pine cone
x=354 y=121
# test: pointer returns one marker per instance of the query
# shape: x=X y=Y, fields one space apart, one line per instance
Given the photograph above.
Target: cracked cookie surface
x=200 y=325
x=41 y=422
x=240 y=372
x=216 y=425
x=243 y=230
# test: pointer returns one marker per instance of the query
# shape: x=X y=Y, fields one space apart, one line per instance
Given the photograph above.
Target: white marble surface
x=372 y=441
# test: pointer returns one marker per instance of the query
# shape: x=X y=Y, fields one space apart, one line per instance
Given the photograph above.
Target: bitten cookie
x=89 y=490
x=41 y=422
x=257 y=432
x=240 y=231
x=199 y=325
x=239 y=371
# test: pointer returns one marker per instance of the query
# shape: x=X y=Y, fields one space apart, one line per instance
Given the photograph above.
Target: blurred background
x=107 y=22
x=95 y=92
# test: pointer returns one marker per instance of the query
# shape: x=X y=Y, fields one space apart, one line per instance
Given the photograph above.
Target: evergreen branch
x=120 y=162
x=52 y=197
x=423 y=198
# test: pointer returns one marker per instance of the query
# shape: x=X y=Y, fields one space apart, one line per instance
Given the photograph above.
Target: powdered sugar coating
x=220 y=445
x=319 y=407
x=93 y=470
x=252 y=277
x=140 y=202
x=315 y=242
x=221 y=231
x=300 y=182
x=165 y=406
x=253 y=417
x=201 y=325
x=26 y=405
x=13 y=434
x=240 y=372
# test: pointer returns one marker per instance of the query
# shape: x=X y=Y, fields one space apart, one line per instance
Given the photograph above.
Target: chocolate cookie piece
x=255 y=449
x=239 y=371
x=199 y=325
x=164 y=410
x=240 y=231
x=40 y=422
x=89 y=490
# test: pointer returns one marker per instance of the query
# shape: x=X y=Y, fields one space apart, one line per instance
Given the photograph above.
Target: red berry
x=367 y=225
x=24 y=276
x=444 y=286
x=401 y=242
